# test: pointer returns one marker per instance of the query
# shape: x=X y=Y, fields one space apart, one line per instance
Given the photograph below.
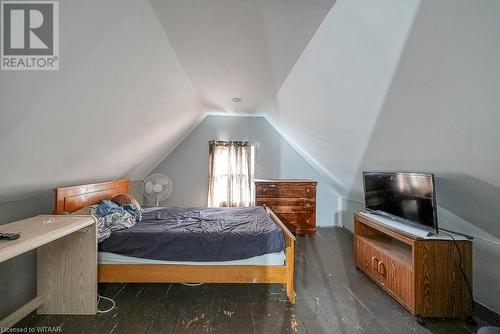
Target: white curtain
x=230 y=174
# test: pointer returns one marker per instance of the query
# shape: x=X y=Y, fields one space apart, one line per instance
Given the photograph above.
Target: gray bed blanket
x=198 y=234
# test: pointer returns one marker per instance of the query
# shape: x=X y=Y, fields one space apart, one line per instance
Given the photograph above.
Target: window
x=231 y=169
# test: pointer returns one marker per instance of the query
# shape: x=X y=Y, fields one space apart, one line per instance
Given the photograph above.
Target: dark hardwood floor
x=332 y=297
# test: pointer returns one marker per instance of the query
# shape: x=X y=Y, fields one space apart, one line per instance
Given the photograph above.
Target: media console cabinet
x=422 y=274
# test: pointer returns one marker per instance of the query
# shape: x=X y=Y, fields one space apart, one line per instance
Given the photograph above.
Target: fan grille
x=157 y=187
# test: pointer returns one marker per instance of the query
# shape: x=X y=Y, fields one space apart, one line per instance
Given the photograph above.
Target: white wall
x=356 y=102
x=442 y=114
x=187 y=166
x=387 y=84
x=120 y=95
x=331 y=99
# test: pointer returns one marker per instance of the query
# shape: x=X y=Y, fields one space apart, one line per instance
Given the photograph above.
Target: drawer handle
x=374 y=263
x=381 y=268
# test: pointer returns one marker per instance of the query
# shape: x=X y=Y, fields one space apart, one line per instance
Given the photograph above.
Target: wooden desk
x=66 y=264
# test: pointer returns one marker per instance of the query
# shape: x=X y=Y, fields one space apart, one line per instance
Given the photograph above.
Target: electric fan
x=157 y=187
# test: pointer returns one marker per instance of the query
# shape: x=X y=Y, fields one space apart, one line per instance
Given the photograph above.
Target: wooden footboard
x=290 y=257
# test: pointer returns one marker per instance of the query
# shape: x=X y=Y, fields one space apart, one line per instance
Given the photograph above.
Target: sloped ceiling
x=135 y=81
x=119 y=102
x=384 y=84
x=332 y=97
x=417 y=90
x=425 y=99
x=239 y=48
x=135 y=77
x=407 y=85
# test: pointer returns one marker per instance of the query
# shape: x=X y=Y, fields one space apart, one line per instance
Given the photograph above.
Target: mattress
x=271 y=259
x=198 y=235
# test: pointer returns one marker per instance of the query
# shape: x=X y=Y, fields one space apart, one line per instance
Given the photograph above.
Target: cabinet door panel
x=362 y=255
x=380 y=270
x=366 y=257
x=400 y=282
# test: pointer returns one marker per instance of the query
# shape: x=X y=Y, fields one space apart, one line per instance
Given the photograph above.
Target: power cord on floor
x=192 y=284
x=113 y=304
x=99 y=297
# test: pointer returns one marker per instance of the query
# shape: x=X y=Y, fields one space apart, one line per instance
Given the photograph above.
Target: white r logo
x=17 y=29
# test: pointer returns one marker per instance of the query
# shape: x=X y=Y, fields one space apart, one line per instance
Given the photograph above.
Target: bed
x=271 y=268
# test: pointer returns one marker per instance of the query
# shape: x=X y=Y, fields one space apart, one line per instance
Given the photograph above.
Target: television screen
x=410 y=196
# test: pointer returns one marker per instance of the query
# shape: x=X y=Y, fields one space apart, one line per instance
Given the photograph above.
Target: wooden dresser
x=293 y=201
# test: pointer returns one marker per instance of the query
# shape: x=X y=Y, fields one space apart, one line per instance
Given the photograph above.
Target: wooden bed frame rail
x=71 y=199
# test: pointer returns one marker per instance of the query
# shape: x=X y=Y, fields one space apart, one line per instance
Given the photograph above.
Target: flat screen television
x=408 y=196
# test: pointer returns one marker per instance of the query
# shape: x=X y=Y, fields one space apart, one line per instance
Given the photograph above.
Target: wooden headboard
x=71 y=199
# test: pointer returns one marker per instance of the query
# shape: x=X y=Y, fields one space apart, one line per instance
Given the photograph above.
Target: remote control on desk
x=9 y=236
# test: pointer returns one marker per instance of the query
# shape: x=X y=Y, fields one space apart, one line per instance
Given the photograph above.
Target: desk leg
x=19 y=314
x=67 y=274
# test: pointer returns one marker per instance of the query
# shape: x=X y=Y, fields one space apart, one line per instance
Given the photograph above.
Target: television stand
x=424 y=274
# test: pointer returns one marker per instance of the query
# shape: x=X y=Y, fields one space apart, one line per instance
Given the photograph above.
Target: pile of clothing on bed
x=112 y=217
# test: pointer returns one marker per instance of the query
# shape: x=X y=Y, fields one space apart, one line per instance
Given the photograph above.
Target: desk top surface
x=38 y=231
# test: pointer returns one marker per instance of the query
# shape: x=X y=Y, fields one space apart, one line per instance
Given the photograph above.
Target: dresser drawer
x=288 y=205
x=289 y=209
x=298 y=220
x=297 y=223
x=284 y=191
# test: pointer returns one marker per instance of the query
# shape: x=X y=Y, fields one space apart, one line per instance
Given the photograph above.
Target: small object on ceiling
x=237 y=99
